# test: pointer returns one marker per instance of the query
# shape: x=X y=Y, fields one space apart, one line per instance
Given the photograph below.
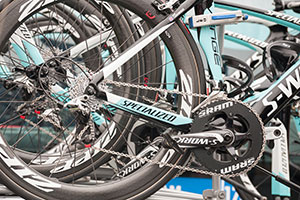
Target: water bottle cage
x=278 y=64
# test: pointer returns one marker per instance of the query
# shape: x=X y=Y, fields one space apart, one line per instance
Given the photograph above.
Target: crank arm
x=215 y=138
x=148 y=153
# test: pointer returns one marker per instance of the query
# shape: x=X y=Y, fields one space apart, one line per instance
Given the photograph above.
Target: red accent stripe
x=37 y=112
x=22 y=116
x=186 y=28
x=156 y=97
x=10 y=126
x=87 y=145
x=146 y=80
x=149 y=15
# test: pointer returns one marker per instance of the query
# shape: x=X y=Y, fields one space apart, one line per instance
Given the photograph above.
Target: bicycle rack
x=169 y=194
x=162 y=194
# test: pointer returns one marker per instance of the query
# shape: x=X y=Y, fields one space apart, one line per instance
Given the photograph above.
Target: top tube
x=270 y=15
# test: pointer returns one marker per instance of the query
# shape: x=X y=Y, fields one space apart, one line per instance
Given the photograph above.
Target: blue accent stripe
x=219 y=17
x=62 y=96
x=206 y=42
x=191 y=24
x=255 y=97
x=4 y=71
x=170 y=71
x=98 y=119
x=209 y=43
x=292 y=68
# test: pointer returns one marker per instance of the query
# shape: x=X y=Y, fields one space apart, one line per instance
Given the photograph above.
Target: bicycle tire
x=86 y=168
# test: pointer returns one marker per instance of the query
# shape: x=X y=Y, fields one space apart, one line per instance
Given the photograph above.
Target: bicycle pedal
x=217 y=19
x=169 y=142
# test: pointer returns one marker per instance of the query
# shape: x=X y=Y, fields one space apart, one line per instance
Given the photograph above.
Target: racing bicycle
x=217 y=131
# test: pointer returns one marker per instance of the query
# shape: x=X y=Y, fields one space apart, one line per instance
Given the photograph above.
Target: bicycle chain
x=32 y=102
x=175 y=166
x=118 y=84
x=180 y=167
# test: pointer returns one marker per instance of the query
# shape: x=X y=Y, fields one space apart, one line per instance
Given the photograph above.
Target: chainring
x=247 y=146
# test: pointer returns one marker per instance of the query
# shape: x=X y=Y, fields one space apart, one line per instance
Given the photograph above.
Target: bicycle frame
x=265 y=17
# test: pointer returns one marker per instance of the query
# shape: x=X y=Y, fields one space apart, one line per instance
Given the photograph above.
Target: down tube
x=276 y=97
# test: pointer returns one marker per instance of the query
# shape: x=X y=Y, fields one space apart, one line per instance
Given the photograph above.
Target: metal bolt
x=52 y=63
x=90 y=90
x=227 y=137
x=277 y=132
x=85 y=97
x=221 y=195
x=168 y=34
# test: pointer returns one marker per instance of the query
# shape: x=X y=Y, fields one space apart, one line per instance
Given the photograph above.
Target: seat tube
x=208 y=39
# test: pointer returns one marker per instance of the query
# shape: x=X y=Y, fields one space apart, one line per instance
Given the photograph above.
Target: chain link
x=31 y=102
